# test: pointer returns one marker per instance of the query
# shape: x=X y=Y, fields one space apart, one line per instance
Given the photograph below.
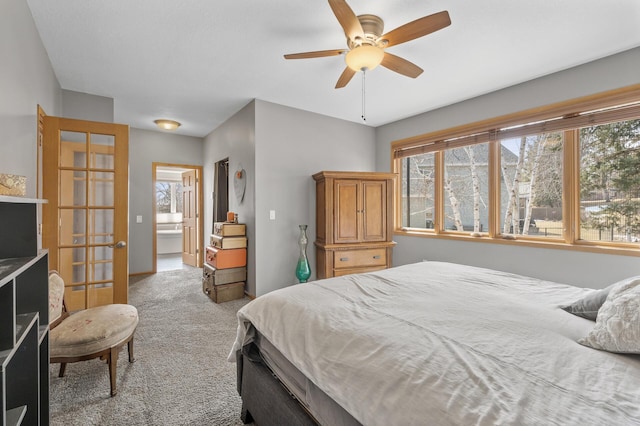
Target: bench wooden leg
x=130 y=349
x=63 y=367
x=113 y=362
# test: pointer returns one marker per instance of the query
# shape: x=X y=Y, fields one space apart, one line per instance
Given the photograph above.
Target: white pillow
x=618 y=323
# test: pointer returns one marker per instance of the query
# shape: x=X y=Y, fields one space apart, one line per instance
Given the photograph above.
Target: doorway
x=221 y=190
x=177 y=204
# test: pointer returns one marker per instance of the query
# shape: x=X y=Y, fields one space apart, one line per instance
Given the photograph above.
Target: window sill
x=624 y=249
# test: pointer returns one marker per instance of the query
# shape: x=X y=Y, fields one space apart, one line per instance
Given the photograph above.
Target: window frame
x=566 y=117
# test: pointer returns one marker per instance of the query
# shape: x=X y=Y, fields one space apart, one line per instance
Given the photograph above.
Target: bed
x=436 y=343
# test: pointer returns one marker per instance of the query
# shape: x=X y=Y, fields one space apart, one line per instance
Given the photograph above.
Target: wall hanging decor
x=13 y=184
x=240 y=183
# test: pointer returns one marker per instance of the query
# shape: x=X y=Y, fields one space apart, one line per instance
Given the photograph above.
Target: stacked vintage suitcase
x=225 y=269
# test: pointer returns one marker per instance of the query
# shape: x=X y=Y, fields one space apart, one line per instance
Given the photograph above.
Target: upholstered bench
x=91 y=333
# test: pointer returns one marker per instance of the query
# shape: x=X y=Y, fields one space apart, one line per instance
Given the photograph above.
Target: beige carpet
x=181 y=375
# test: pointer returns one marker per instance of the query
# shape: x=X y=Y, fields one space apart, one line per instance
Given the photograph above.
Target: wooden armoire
x=354 y=222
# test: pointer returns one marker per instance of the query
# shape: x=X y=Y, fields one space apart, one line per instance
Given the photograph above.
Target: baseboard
x=134 y=274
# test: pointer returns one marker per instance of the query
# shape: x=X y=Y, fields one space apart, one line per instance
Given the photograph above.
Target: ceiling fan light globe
x=364 y=58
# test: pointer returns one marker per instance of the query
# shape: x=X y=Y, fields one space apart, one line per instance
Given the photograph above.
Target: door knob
x=119 y=244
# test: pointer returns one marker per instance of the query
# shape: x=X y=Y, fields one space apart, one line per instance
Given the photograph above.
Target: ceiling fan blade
x=400 y=65
x=345 y=77
x=347 y=19
x=316 y=54
x=418 y=28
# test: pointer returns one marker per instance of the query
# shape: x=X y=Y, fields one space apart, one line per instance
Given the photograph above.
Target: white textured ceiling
x=200 y=61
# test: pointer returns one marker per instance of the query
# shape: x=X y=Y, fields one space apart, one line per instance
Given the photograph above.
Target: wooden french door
x=85 y=221
x=190 y=222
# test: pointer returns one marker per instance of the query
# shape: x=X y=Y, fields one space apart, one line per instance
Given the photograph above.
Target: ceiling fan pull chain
x=364 y=116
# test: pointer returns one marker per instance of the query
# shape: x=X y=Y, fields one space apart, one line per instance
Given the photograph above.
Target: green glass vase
x=303 y=271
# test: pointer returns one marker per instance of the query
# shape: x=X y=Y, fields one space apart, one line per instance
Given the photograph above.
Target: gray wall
x=280 y=148
x=147 y=147
x=583 y=269
x=292 y=145
x=26 y=80
x=234 y=139
x=83 y=106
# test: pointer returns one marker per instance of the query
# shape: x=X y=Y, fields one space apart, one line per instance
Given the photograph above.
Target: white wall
x=26 y=80
x=147 y=147
x=292 y=145
x=583 y=269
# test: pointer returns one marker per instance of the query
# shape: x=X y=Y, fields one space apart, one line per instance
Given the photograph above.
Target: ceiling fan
x=366 y=43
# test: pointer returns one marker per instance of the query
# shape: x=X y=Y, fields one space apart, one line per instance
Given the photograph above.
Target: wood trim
x=438 y=196
x=354 y=175
x=494 y=188
x=625 y=95
x=39 y=144
x=137 y=274
x=50 y=156
x=571 y=186
x=154 y=213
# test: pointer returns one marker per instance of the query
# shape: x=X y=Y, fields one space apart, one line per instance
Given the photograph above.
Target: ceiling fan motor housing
x=372 y=27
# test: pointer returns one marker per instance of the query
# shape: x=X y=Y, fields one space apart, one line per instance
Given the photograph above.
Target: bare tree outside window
x=168 y=197
x=418 y=178
x=466 y=172
x=532 y=184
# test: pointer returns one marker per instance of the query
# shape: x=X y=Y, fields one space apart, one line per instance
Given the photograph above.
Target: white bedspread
x=435 y=343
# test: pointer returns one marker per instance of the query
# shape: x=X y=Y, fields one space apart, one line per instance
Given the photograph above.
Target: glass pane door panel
x=102 y=189
x=73 y=225
x=101 y=226
x=101 y=264
x=73 y=149
x=102 y=150
x=72 y=265
x=73 y=188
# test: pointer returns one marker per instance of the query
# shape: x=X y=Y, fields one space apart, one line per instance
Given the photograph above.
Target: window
x=418 y=178
x=531 y=185
x=565 y=174
x=610 y=182
x=466 y=189
x=168 y=197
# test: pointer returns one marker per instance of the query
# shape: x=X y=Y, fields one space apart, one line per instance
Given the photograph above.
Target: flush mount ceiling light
x=167 y=124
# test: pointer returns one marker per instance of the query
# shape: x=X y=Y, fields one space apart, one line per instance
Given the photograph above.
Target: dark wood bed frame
x=265 y=399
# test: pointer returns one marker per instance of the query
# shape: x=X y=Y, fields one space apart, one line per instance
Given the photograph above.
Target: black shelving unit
x=24 y=315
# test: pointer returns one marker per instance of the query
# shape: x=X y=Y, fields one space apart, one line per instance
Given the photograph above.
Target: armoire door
x=374 y=210
x=85 y=221
x=360 y=210
x=347 y=210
